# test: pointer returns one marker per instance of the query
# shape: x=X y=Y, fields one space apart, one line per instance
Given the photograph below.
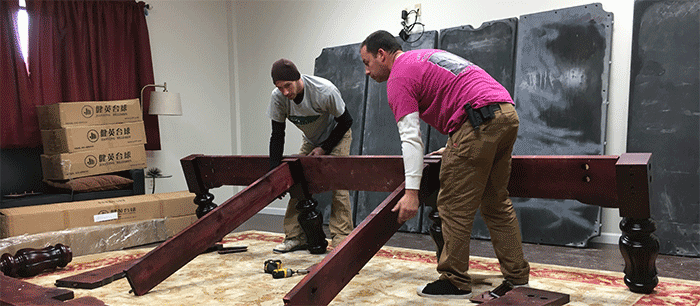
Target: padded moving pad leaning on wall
x=664 y=116
x=561 y=95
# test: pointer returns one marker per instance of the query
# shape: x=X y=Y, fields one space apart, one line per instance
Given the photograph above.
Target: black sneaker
x=443 y=289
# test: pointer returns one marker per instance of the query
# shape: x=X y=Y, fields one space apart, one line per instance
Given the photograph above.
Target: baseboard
x=273 y=211
x=607 y=238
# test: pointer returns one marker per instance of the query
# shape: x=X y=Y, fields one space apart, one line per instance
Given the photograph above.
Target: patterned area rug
x=390 y=278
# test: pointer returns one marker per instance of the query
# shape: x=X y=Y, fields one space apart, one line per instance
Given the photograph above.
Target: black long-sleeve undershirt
x=276 y=143
x=344 y=124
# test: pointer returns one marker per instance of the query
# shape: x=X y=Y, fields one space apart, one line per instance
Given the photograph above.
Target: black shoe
x=443 y=289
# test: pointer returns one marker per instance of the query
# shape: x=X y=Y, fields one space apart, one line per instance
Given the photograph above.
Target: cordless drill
x=282 y=273
x=272 y=265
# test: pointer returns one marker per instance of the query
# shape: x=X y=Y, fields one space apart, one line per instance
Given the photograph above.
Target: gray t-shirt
x=315 y=115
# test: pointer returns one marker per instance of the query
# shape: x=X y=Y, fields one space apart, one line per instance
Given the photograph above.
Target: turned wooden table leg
x=205 y=203
x=311 y=222
x=639 y=248
x=638 y=245
x=30 y=262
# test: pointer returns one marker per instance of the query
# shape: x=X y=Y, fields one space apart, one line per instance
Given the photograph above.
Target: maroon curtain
x=18 y=120
x=87 y=51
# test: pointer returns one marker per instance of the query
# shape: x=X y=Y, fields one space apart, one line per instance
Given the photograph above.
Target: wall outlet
x=418 y=10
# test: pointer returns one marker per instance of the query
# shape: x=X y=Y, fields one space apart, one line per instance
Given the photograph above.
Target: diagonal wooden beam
x=336 y=270
x=171 y=255
x=96 y=278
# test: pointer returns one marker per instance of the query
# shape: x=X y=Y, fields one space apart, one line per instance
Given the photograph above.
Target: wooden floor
x=596 y=256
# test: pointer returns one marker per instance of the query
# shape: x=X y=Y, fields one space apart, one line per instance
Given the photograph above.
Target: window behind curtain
x=23 y=28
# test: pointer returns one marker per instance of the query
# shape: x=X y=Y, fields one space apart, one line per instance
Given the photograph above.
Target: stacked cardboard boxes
x=28 y=220
x=89 y=138
x=96 y=226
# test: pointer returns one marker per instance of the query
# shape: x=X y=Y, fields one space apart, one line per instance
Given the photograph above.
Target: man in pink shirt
x=460 y=99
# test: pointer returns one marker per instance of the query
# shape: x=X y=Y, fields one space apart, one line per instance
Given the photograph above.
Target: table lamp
x=163 y=102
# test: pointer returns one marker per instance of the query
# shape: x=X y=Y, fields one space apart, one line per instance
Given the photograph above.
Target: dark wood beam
x=171 y=255
x=16 y=292
x=330 y=276
x=96 y=278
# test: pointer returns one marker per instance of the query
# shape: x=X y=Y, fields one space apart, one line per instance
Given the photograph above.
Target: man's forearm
x=344 y=124
x=412 y=150
x=276 y=144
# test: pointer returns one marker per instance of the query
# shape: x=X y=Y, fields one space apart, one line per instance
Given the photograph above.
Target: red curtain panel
x=80 y=51
x=19 y=122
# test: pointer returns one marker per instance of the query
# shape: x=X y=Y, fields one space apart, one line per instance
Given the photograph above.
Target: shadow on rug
x=389 y=278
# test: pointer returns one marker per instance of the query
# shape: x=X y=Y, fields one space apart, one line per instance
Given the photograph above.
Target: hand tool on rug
x=227 y=248
x=287 y=272
x=29 y=262
x=271 y=265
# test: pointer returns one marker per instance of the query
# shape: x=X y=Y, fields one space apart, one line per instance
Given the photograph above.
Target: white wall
x=218 y=54
x=190 y=49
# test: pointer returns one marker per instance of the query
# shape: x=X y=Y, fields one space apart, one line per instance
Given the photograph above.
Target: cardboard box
x=101 y=238
x=74 y=165
x=68 y=114
x=174 y=225
x=93 y=137
x=53 y=217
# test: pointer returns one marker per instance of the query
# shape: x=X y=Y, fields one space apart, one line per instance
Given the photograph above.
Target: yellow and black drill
x=274 y=267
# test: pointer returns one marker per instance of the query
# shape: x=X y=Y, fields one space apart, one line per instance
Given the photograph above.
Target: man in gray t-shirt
x=313 y=105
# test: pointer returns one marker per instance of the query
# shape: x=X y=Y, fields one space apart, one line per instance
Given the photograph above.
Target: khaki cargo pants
x=474 y=175
x=340 y=222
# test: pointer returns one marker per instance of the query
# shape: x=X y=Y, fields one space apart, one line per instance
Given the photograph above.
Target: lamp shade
x=165 y=103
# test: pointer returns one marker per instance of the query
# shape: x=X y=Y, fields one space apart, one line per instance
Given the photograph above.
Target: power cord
x=407 y=28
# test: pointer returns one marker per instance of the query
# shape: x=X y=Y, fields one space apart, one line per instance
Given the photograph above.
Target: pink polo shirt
x=437 y=84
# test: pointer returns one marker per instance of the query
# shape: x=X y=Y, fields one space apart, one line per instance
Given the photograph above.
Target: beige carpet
x=390 y=278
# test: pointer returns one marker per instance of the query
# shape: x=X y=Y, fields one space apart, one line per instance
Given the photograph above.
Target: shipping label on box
x=74 y=165
x=94 y=137
x=113 y=210
x=67 y=114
